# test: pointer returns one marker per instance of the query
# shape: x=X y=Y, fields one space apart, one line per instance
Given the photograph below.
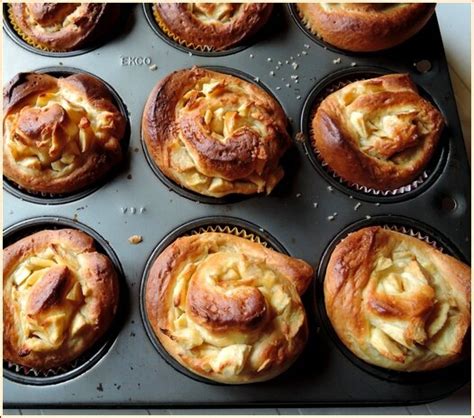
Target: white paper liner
x=31 y=372
x=415 y=234
x=230 y=229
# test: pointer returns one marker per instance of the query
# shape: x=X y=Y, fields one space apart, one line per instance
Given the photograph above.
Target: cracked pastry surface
x=379 y=133
x=397 y=302
x=59 y=134
x=59 y=297
x=215 y=134
x=62 y=26
x=211 y=26
x=365 y=27
x=228 y=309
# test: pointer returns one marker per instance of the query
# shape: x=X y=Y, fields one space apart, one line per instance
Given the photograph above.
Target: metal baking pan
x=307 y=213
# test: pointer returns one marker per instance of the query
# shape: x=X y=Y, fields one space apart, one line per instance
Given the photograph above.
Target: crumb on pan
x=135 y=239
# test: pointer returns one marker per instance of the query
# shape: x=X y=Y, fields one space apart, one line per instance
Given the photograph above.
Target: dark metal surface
x=304 y=214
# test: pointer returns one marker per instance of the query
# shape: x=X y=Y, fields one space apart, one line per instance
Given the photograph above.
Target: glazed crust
x=365 y=27
x=228 y=309
x=211 y=26
x=60 y=134
x=63 y=26
x=59 y=297
x=397 y=302
x=378 y=133
x=214 y=133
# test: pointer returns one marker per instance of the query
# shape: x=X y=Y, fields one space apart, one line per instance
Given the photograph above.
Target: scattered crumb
x=368 y=216
x=377 y=204
x=353 y=64
x=257 y=79
x=277 y=67
x=291 y=58
x=331 y=217
x=357 y=206
x=299 y=137
x=287 y=85
x=251 y=55
x=279 y=63
x=296 y=81
x=153 y=67
x=294 y=65
x=330 y=188
x=277 y=88
x=298 y=54
x=272 y=73
x=336 y=61
x=269 y=59
x=315 y=204
x=287 y=62
x=304 y=53
x=190 y=54
x=351 y=197
x=294 y=76
x=135 y=239
x=298 y=97
x=298 y=194
x=306 y=46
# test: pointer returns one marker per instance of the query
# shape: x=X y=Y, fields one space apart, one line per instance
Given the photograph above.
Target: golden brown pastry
x=211 y=26
x=228 y=309
x=365 y=27
x=397 y=302
x=59 y=134
x=59 y=296
x=63 y=26
x=215 y=134
x=379 y=133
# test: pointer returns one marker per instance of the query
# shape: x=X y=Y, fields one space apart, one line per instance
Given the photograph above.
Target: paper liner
x=234 y=230
x=24 y=36
x=176 y=38
x=415 y=234
x=56 y=371
x=337 y=85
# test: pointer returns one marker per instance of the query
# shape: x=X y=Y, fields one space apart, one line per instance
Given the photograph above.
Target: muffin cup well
x=56 y=199
x=331 y=84
x=155 y=23
x=225 y=224
x=231 y=198
x=30 y=376
x=409 y=227
x=23 y=40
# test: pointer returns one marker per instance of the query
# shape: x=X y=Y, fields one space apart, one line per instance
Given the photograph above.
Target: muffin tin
x=303 y=216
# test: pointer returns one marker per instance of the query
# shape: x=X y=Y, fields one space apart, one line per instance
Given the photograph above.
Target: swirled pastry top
x=211 y=26
x=397 y=302
x=62 y=26
x=59 y=134
x=214 y=133
x=365 y=27
x=227 y=308
x=59 y=297
x=379 y=133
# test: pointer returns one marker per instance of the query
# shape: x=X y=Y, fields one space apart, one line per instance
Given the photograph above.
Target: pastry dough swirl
x=59 y=297
x=378 y=133
x=60 y=134
x=228 y=309
x=397 y=302
x=214 y=133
